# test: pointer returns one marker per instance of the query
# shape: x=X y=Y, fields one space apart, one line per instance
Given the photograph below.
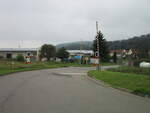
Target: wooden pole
x=98 y=48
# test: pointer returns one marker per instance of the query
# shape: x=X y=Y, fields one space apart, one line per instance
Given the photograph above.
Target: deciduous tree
x=62 y=53
x=48 y=51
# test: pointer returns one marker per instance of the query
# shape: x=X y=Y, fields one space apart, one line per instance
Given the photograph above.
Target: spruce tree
x=47 y=51
x=103 y=48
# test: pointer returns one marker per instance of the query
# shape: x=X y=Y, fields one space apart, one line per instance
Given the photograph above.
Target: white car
x=145 y=64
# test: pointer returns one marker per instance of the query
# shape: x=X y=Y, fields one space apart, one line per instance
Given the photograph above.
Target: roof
x=17 y=49
x=81 y=51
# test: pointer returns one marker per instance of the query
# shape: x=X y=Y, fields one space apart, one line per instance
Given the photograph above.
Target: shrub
x=20 y=58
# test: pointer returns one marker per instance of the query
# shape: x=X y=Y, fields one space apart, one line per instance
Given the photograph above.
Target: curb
x=104 y=84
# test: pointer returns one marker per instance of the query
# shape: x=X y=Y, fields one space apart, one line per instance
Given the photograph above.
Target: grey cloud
x=57 y=21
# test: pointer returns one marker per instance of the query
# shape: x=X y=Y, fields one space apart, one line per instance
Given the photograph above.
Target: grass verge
x=134 y=70
x=138 y=84
x=6 y=67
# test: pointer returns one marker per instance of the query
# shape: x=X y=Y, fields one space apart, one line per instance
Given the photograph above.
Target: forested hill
x=141 y=42
x=84 y=45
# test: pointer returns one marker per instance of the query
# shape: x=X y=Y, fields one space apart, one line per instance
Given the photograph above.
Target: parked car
x=145 y=64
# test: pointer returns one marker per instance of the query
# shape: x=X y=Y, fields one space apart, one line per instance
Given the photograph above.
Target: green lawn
x=139 y=84
x=6 y=67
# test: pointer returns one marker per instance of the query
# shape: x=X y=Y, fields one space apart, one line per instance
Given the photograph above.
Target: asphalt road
x=64 y=90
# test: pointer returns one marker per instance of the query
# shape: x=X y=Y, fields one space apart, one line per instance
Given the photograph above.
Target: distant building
x=123 y=53
x=80 y=52
x=11 y=53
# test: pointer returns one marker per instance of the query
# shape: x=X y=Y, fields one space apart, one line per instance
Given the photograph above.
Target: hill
x=141 y=42
x=137 y=42
x=84 y=45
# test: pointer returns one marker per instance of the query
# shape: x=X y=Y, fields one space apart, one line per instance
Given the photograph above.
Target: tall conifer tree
x=103 y=48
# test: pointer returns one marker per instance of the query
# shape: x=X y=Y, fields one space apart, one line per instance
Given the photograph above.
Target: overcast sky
x=31 y=23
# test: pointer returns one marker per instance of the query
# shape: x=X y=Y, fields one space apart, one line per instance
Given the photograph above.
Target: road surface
x=64 y=90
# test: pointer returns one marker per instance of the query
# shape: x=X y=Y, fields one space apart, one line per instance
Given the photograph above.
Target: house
x=11 y=53
x=78 y=54
x=118 y=52
x=83 y=56
x=124 y=53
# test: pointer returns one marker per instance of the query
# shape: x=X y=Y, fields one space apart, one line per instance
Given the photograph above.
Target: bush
x=20 y=58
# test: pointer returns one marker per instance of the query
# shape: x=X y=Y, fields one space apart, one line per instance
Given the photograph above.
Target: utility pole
x=97 y=27
x=98 y=48
x=80 y=51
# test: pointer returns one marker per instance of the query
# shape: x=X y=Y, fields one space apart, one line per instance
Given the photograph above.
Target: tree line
x=137 y=42
x=49 y=51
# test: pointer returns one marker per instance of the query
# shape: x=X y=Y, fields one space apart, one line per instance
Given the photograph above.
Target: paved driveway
x=64 y=90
